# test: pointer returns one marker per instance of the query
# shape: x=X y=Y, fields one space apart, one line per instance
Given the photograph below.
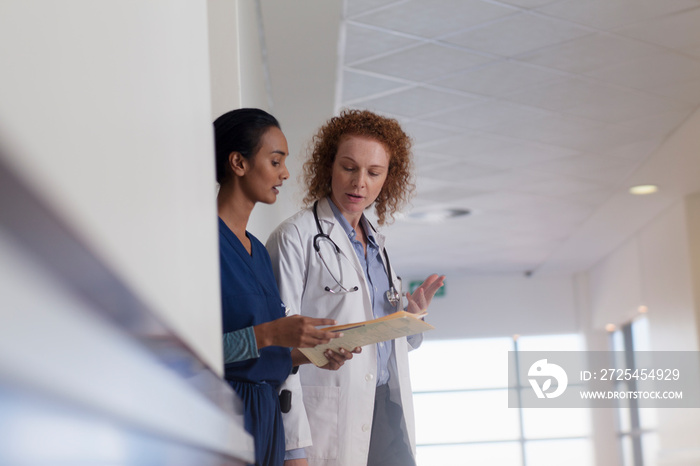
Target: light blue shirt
x=378 y=282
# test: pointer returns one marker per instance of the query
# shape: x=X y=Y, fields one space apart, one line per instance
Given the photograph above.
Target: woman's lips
x=354 y=197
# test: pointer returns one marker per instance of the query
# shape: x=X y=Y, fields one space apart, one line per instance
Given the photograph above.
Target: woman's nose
x=358 y=180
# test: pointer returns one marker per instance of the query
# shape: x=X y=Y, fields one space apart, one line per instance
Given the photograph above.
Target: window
x=636 y=426
x=461 y=404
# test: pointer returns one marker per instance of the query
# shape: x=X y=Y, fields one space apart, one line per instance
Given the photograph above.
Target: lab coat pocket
x=322 y=406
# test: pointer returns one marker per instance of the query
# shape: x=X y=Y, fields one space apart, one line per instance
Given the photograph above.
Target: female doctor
x=330 y=262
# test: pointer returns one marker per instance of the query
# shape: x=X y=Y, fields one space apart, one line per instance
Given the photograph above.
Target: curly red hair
x=398 y=187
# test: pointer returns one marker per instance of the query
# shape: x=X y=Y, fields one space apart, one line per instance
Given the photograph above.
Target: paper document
x=396 y=325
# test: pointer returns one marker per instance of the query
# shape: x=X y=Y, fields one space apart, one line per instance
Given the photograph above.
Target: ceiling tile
x=359 y=85
x=362 y=42
x=560 y=186
x=423 y=62
x=659 y=125
x=693 y=51
x=355 y=7
x=621 y=105
x=434 y=18
x=573 y=133
x=490 y=113
x=608 y=14
x=582 y=165
x=498 y=78
x=493 y=151
x=528 y=3
x=610 y=136
x=517 y=34
x=638 y=150
x=679 y=31
x=589 y=53
x=591 y=198
x=423 y=133
x=448 y=193
x=687 y=92
x=414 y=102
x=658 y=70
x=505 y=180
x=458 y=172
x=601 y=169
x=426 y=161
x=565 y=93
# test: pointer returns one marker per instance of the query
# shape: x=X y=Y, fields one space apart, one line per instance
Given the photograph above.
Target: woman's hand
x=419 y=301
x=294 y=332
x=335 y=359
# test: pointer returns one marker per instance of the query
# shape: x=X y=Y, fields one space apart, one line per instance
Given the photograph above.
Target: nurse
x=330 y=262
x=250 y=168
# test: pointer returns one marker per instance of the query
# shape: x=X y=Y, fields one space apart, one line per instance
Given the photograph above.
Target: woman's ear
x=237 y=163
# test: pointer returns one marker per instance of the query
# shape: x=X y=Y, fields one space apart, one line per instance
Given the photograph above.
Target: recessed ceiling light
x=644 y=189
x=436 y=215
x=643 y=309
x=610 y=327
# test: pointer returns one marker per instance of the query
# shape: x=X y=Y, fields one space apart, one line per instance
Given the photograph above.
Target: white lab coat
x=337 y=409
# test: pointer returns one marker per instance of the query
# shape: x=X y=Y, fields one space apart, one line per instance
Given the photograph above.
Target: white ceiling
x=533 y=114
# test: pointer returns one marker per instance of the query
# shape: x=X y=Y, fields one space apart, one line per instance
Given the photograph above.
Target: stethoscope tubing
x=392 y=295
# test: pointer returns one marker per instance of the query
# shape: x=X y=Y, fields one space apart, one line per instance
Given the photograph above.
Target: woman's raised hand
x=294 y=332
x=419 y=301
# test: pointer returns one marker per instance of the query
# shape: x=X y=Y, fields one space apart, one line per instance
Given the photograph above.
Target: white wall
x=653 y=268
x=236 y=56
x=303 y=88
x=106 y=115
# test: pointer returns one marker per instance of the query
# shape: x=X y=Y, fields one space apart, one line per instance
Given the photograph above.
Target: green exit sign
x=415 y=284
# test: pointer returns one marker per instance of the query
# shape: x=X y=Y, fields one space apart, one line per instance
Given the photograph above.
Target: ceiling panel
x=457 y=172
x=653 y=71
x=423 y=133
x=359 y=85
x=566 y=93
x=659 y=125
x=518 y=34
x=687 y=92
x=355 y=7
x=528 y=3
x=608 y=14
x=621 y=105
x=497 y=152
x=362 y=42
x=498 y=78
x=488 y=113
x=423 y=62
x=434 y=18
x=636 y=150
x=415 y=102
x=505 y=180
x=532 y=114
x=677 y=31
x=590 y=53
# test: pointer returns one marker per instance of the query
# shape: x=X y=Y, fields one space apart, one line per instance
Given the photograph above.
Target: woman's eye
x=348 y=169
x=373 y=174
x=275 y=163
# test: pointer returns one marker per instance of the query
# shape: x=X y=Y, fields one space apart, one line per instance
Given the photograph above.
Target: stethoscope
x=392 y=295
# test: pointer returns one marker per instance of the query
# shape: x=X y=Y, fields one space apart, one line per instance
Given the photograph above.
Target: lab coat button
x=365 y=427
x=369 y=377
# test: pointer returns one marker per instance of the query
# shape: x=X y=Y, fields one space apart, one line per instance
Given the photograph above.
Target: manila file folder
x=396 y=325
